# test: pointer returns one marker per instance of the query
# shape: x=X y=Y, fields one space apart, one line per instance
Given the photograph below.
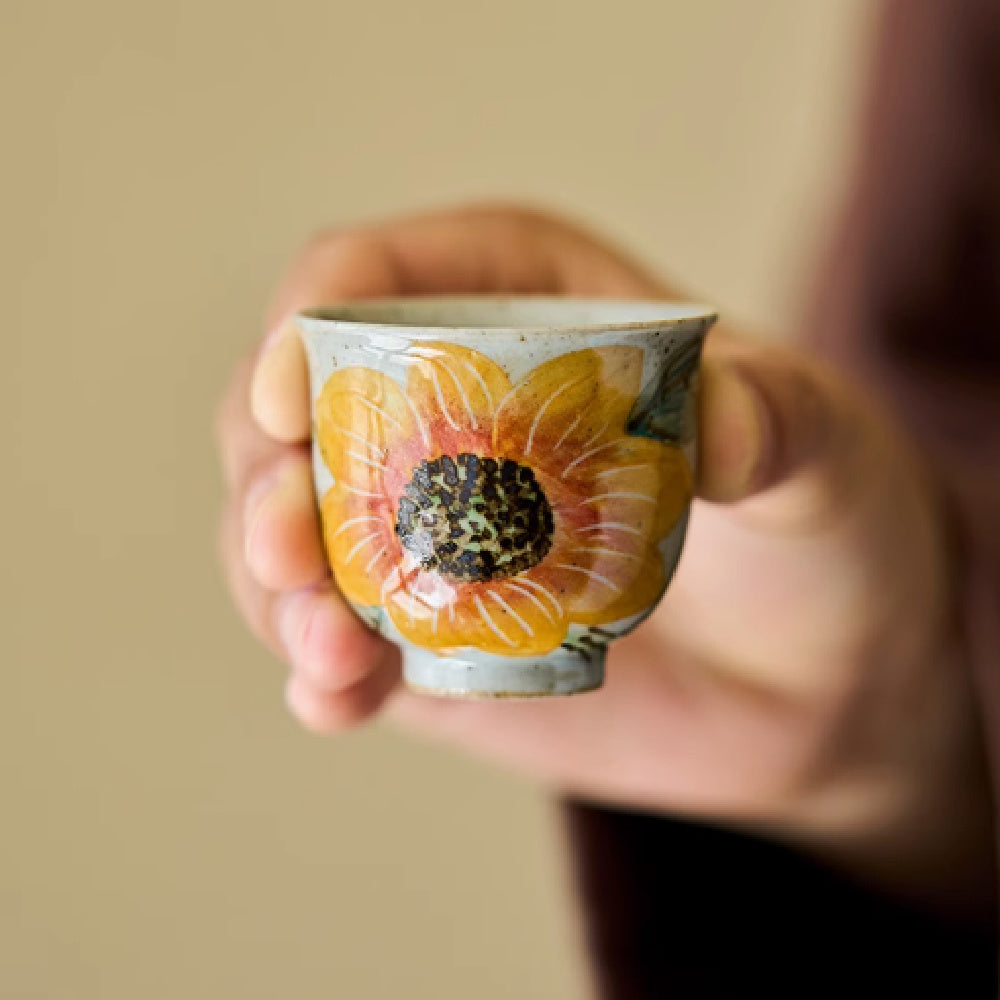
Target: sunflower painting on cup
x=494 y=515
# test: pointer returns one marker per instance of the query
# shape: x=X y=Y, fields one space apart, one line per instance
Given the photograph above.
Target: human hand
x=800 y=674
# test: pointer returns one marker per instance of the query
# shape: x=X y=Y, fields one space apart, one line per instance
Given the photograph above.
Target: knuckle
x=273 y=464
x=251 y=602
x=338 y=245
x=528 y=227
x=345 y=264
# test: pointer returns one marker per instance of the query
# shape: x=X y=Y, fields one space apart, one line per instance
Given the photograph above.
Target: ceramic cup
x=504 y=482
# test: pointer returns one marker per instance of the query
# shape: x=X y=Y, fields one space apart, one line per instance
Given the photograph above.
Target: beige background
x=166 y=831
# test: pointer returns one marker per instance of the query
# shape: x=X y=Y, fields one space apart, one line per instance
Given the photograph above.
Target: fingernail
x=279 y=387
x=271 y=342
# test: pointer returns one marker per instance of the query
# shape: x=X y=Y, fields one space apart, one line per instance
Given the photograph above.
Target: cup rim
x=622 y=316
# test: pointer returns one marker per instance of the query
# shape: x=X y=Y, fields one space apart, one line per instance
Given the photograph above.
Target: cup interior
x=513 y=313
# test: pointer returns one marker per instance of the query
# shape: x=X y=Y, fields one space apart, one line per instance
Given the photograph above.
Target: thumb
x=780 y=426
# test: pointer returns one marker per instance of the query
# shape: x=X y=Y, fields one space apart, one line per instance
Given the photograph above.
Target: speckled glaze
x=504 y=482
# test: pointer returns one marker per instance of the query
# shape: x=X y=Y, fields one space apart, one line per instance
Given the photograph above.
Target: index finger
x=475 y=250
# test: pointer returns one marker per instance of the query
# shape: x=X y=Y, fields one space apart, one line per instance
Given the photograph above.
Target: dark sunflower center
x=475 y=519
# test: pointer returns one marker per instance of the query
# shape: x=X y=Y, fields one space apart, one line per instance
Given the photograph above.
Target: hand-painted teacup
x=504 y=482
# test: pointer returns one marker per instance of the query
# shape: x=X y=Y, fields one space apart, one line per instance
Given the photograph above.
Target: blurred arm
x=909 y=300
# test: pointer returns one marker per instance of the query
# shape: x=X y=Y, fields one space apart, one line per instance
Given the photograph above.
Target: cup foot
x=560 y=672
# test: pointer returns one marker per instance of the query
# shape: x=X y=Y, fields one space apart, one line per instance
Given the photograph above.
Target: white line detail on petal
x=378 y=409
x=503 y=402
x=361 y=440
x=479 y=378
x=352 y=521
x=620 y=495
x=361 y=493
x=503 y=604
x=418 y=420
x=594 y=576
x=374 y=559
x=490 y=624
x=566 y=433
x=541 y=412
x=462 y=393
x=621 y=468
x=358 y=546
x=525 y=582
x=534 y=600
x=594 y=437
x=611 y=525
x=392 y=580
x=367 y=461
x=586 y=455
x=440 y=396
x=607 y=552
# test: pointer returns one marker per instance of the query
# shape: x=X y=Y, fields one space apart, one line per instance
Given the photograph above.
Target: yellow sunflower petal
x=361 y=544
x=456 y=389
x=636 y=481
x=507 y=617
x=603 y=585
x=510 y=618
x=361 y=416
x=676 y=490
x=569 y=405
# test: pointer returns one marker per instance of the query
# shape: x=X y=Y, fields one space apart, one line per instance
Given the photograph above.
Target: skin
x=802 y=677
